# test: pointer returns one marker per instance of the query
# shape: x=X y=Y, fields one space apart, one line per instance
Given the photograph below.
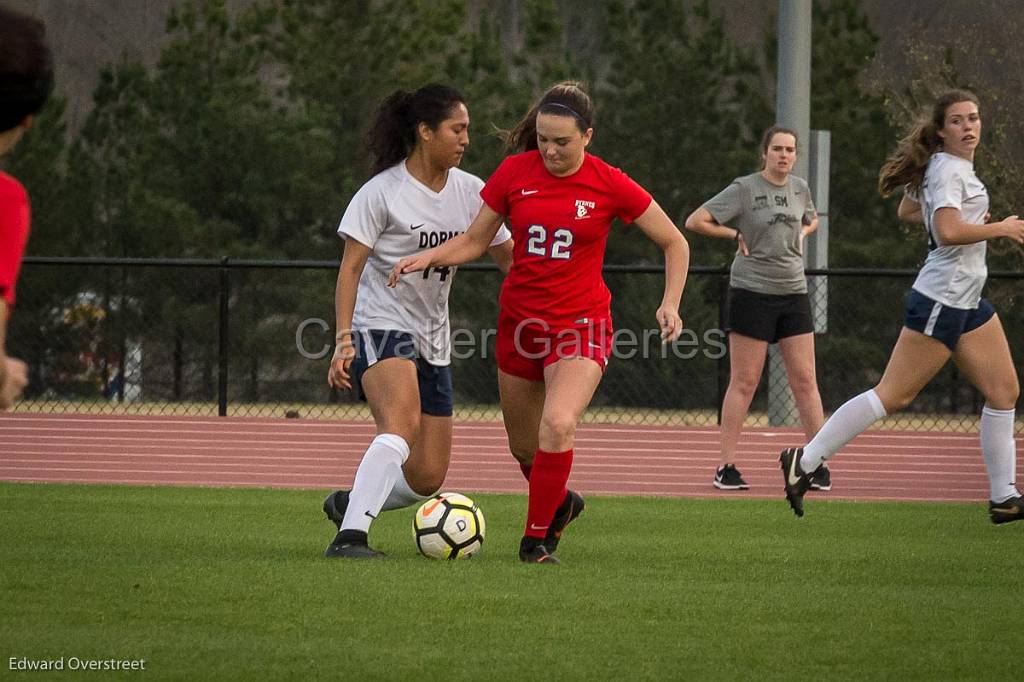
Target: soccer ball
x=449 y=526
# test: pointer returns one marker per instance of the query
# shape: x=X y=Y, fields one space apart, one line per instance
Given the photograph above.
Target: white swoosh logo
x=527 y=193
x=791 y=476
x=534 y=526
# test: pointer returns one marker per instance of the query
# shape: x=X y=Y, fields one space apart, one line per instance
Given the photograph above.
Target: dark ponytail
x=26 y=67
x=394 y=132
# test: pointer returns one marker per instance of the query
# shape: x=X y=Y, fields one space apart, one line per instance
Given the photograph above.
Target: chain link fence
x=254 y=338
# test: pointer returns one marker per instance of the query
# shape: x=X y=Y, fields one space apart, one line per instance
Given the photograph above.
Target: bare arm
x=502 y=255
x=468 y=246
x=352 y=263
x=909 y=211
x=660 y=229
x=13 y=372
x=702 y=222
x=809 y=228
x=953 y=231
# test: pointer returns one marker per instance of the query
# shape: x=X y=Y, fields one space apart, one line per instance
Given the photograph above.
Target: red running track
x=610 y=460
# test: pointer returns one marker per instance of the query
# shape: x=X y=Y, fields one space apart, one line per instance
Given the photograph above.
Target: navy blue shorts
x=374 y=345
x=941 y=322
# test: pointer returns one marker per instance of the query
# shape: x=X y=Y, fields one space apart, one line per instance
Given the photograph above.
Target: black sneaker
x=796 y=482
x=533 y=551
x=346 y=547
x=728 y=478
x=821 y=479
x=335 y=505
x=570 y=508
x=1004 y=512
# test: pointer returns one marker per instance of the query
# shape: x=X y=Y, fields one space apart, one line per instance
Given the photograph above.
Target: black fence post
x=222 y=339
x=723 y=362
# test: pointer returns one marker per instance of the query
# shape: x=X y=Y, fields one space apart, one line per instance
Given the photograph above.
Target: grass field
x=230 y=584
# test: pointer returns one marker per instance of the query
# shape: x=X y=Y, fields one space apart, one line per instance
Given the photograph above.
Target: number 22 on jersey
x=559 y=247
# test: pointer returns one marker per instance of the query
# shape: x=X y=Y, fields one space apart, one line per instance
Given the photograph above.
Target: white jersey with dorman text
x=395 y=215
x=953 y=274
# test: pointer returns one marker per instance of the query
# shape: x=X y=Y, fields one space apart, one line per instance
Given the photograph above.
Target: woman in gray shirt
x=768 y=214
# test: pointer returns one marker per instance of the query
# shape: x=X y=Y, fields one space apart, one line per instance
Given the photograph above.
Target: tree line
x=246 y=139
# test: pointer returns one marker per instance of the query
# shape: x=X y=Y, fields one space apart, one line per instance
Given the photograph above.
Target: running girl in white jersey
x=945 y=314
x=393 y=344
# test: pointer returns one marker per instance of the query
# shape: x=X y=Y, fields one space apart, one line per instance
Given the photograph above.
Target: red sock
x=547 y=489
x=525 y=468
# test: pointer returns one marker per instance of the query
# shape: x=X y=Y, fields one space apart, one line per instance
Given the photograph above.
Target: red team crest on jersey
x=583 y=208
x=560 y=226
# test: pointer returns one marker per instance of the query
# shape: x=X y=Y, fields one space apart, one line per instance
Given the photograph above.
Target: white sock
x=375 y=477
x=402 y=495
x=845 y=424
x=1000 y=451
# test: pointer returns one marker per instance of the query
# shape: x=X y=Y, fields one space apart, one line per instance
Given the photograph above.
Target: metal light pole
x=793 y=110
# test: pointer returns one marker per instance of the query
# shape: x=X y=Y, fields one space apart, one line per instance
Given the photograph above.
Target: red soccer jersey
x=560 y=226
x=14 y=222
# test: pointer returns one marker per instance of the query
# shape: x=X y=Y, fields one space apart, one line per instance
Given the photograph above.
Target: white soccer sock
x=375 y=477
x=402 y=495
x=845 y=424
x=1000 y=451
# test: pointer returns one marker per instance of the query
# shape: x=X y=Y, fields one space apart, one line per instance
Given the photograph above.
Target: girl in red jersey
x=26 y=79
x=554 y=329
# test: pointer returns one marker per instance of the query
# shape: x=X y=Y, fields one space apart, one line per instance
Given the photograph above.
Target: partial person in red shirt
x=26 y=79
x=554 y=327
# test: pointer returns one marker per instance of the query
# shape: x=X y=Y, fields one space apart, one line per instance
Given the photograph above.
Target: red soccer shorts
x=525 y=347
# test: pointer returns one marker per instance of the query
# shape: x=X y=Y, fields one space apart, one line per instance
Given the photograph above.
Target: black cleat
x=346 y=548
x=796 y=482
x=533 y=551
x=1004 y=512
x=728 y=478
x=335 y=505
x=571 y=507
x=821 y=479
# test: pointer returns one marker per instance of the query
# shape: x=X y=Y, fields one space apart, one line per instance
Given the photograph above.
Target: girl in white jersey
x=393 y=344
x=945 y=314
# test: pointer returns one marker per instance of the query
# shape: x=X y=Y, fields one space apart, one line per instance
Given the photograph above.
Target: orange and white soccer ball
x=449 y=526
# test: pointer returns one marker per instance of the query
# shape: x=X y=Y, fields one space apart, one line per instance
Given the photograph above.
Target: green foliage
x=246 y=138
x=682 y=124
x=936 y=69
x=864 y=231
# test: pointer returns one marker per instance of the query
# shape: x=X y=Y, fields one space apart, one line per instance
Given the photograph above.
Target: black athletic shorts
x=768 y=317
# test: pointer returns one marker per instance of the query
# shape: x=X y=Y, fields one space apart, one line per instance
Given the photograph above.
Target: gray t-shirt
x=770 y=218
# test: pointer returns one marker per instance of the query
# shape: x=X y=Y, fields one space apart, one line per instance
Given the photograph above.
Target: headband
x=567 y=108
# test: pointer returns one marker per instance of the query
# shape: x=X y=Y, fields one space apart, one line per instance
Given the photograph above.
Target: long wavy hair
x=905 y=167
x=393 y=135
x=568 y=98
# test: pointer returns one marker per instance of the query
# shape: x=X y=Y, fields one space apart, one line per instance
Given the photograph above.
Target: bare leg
x=746 y=363
x=798 y=357
x=983 y=356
